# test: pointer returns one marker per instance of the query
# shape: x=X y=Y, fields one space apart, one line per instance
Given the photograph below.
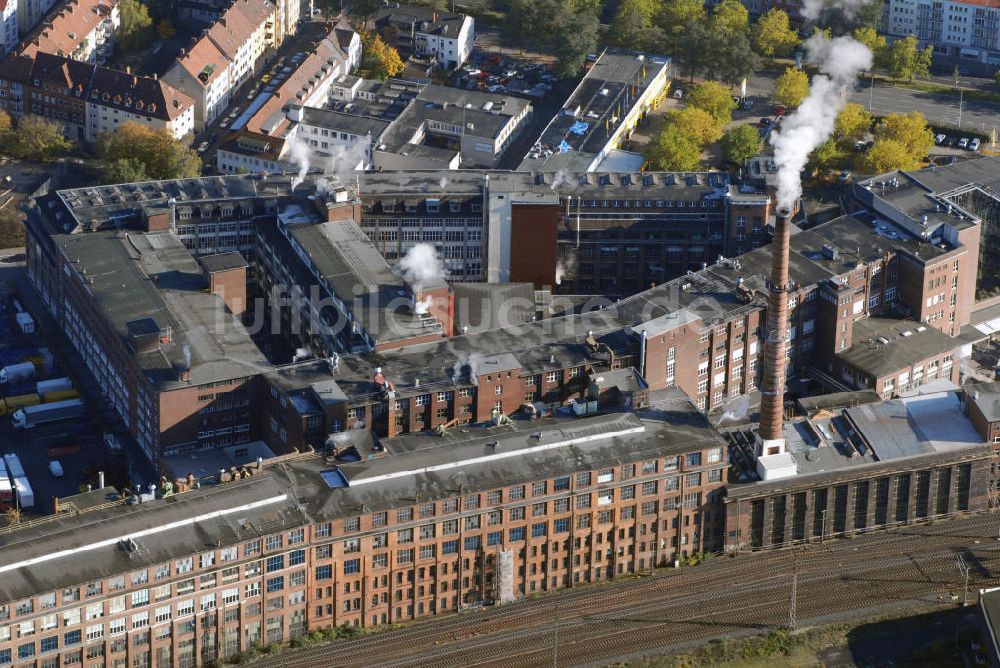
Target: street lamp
x=961 y=99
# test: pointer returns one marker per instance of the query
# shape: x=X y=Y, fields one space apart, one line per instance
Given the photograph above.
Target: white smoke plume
x=424 y=305
x=421 y=267
x=443 y=183
x=323 y=187
x=562 y=178
x=344 y=161
x=564 y=266
x=300 y=354
x=813 y=9
x=839 y=60
x=300 y=154
x=187 y=357
x=736 y=409
x=466 y=364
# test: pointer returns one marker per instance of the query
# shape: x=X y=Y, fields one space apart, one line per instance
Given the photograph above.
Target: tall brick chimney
x=770 y=438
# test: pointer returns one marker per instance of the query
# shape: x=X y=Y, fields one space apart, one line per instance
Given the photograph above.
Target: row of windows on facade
x=471 y=502
x=278 y=583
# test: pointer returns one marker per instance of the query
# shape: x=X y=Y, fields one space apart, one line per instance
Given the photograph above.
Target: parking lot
x=76 y=443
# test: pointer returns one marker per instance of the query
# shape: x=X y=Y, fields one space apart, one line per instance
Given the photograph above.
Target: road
x=886 y=99
x=305 y=39
x=908 y=568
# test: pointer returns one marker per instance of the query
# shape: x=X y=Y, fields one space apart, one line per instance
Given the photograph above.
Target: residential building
x=83 y=30
x=424 y=31
x=267 y=121
x=8 y=26
x=30 y=13
x=962 y=29
x=88 y=99
x=225 y=57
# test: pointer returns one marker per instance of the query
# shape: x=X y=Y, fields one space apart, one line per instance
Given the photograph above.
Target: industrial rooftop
x=308 y=488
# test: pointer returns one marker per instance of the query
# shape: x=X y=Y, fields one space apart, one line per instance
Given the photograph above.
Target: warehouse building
x=858 y=467
x=376 y=532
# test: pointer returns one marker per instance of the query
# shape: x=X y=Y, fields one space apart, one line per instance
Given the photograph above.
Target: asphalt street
x=886 y=99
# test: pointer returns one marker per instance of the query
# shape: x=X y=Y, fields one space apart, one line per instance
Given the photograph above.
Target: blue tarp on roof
x=579 y=128
x=564 y=147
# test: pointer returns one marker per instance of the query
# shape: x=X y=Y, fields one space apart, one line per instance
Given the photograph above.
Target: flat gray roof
x=293 y=493
x=344 y=122
x=986 y=396
x=909 y=342
x=154 y=276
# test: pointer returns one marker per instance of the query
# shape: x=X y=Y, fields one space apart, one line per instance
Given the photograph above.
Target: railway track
x=900 y=568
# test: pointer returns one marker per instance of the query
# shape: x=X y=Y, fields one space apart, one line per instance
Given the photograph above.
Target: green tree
x=996 y=78
x=773 y=36
x=713 y=98
x=826 y=156
x=135 y=151
x=165 y=29
x=125 y=170
x=907 y=60
x=574 y=40
x=696 y=122
x=888 y=155
x=36 y=138
x=742 y=142
x=135 y=28
x=5 y=124
x=729 y=58
x=11 y=229
x=673 y=150
x=379 y=58
x=680 y=13
x=910 y=130
x=730 y=18
x=876 y=44
x=852 y=124
x=632 y=20
x=361 y=9
x=694 y=47
x=675 y=18
x=791 y=87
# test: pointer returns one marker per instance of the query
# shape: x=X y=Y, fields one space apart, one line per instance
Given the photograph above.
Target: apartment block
x=88 y=99
x=224 y=57
x=423 y=31
x=8 y=27
x=80 y=29
x=958 y=28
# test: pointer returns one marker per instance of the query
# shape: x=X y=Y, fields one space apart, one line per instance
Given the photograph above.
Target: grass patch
x=317 y=637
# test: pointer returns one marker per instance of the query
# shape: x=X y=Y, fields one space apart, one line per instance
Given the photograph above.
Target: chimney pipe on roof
x=772 y=401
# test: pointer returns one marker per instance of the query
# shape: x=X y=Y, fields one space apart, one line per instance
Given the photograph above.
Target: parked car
x=747 y=103
x=780 y=109
x=845 y=176
x=496 y=88
x=202 y=147
x=940 y=138
x=963 y=142
x=974 y=144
